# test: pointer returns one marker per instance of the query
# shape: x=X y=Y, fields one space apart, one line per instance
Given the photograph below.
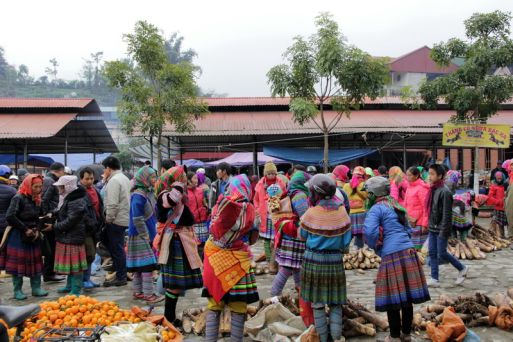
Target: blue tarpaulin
x=315 y=156
x=10 y=159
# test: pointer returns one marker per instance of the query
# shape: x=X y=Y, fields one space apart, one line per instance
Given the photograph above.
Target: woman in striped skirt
x=289 y=247
x=180 y=264
x=326 y=228
x=229 y=278
x=142 y=229
x=400 y=282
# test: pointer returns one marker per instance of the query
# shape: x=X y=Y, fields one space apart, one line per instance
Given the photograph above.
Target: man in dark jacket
x=223 y=172
x=49 y=203
x=7 y=192
x=440 y=226
x=95 y=211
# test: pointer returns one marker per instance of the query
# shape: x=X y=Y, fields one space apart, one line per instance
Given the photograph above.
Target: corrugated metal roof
x=43 y=102
x=281 y=122
x=29 y=126
x=279 y=101
x=419 y=61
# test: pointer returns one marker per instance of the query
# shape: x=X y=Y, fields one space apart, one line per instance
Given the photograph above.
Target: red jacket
x=196 y=204
x=261 y=198
x=415 y=202
x=496 y=196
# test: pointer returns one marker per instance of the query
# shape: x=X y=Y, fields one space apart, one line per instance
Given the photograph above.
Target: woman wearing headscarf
x=22 y=256
x=398 y=184
x=180 y=264
x=261 y=205
x=140 y=258
x=289 y=246
x=341 y=173
x=198 y=205
x=325 y=227
x=452 y=179
x=228 y=276
x=70 y=233
x=357 y=201
x=496 y=197
x=400 y=282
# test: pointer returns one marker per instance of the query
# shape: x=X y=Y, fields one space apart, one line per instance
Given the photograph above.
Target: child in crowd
x=400 y=282
x=460 y=224
x=496 y=197
x=357 y=199
x=326 y=229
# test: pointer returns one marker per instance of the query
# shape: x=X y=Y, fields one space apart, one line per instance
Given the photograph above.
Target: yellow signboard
x=476 y=135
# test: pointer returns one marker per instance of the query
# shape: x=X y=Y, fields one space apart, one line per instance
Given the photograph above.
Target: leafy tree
x=87 y=73
x=472 y=91
x=153 y=91
x=97 y=60
x=125 y=158
x=3 y=64
x=23 y=75
x=174 y=51
x=52 y=69
x=324 y=71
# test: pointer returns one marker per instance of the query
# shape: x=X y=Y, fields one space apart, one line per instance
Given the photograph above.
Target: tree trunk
x=476 y=170
x=326 y=150
x=159 y=153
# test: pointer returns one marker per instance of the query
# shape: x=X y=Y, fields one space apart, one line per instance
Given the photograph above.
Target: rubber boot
x=18 y=285
x=67 y=287
x=37 y=291
x=76 y=284
x=88 y=283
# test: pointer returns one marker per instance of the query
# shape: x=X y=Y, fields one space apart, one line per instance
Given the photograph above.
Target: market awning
x=315 y=156
x=33 y=125
x=40 y=161
x=246 y=158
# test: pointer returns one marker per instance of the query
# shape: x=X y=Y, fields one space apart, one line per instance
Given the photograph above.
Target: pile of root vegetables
x=362 y=259
x=358 y=320
x=482 y=241
x=476 y=310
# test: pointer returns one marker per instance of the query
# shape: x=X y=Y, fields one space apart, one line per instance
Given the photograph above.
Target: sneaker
x=114 y=282
x=462 y=275
x=433 y=283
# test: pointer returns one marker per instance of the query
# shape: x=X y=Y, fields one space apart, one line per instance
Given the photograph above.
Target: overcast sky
x=236 y=41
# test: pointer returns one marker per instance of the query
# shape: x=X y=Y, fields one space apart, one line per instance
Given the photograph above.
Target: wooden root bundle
x=363 y=259
x=488 y=240
x=468 y=250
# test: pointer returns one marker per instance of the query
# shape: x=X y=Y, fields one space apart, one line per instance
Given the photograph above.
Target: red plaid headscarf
x=26 y=187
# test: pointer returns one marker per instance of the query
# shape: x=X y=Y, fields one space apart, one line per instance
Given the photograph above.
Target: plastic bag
x=274 y=320
x=451 y=329
x=140 y=332
x=306 y=312
x=471 y=337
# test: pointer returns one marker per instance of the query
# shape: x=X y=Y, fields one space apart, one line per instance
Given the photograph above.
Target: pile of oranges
x=76 y=312
x=168 y=335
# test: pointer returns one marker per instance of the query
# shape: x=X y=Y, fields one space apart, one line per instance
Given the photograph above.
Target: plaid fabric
x=70 y=259
x=21 y=259
x=357 y=223
x=400 y=281
x=269 y=229
x=201 y=232
x=140 y=256
x=290 y=253
x=418 y=238
x=323 y=279
x=244 y=291
x=499 y=217
x=460 y=222
x=177 y=273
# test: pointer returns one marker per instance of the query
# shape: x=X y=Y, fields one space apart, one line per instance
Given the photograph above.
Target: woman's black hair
x=190 y=174
x=439 y=169
x=414 y=171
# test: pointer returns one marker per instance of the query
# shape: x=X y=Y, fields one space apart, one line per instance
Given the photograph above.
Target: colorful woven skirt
x=323 y=279
x=201 y=232
x=400 y=281
x=177 y=273
x=418 y=237
x=140 y=256
x=290 y=253
x=460 y=222
x=269 y=230
x=244 y=291
x=70 y=259
x=500 y=218
x=21 y=259
x=357 y=223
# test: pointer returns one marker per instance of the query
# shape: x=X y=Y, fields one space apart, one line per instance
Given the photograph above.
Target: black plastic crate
x=69 y=334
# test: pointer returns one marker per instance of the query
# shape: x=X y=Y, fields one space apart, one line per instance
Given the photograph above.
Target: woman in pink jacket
x=415 y=204
x=260 y=202
x=398 y=184
x=198 y=206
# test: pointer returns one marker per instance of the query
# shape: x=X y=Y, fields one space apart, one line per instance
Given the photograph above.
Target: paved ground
x=495 y=274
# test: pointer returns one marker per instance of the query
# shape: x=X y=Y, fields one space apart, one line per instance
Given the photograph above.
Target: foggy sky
x=236 y=41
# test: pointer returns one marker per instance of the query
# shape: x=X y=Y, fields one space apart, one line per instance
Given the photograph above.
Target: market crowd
x=172 y=230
